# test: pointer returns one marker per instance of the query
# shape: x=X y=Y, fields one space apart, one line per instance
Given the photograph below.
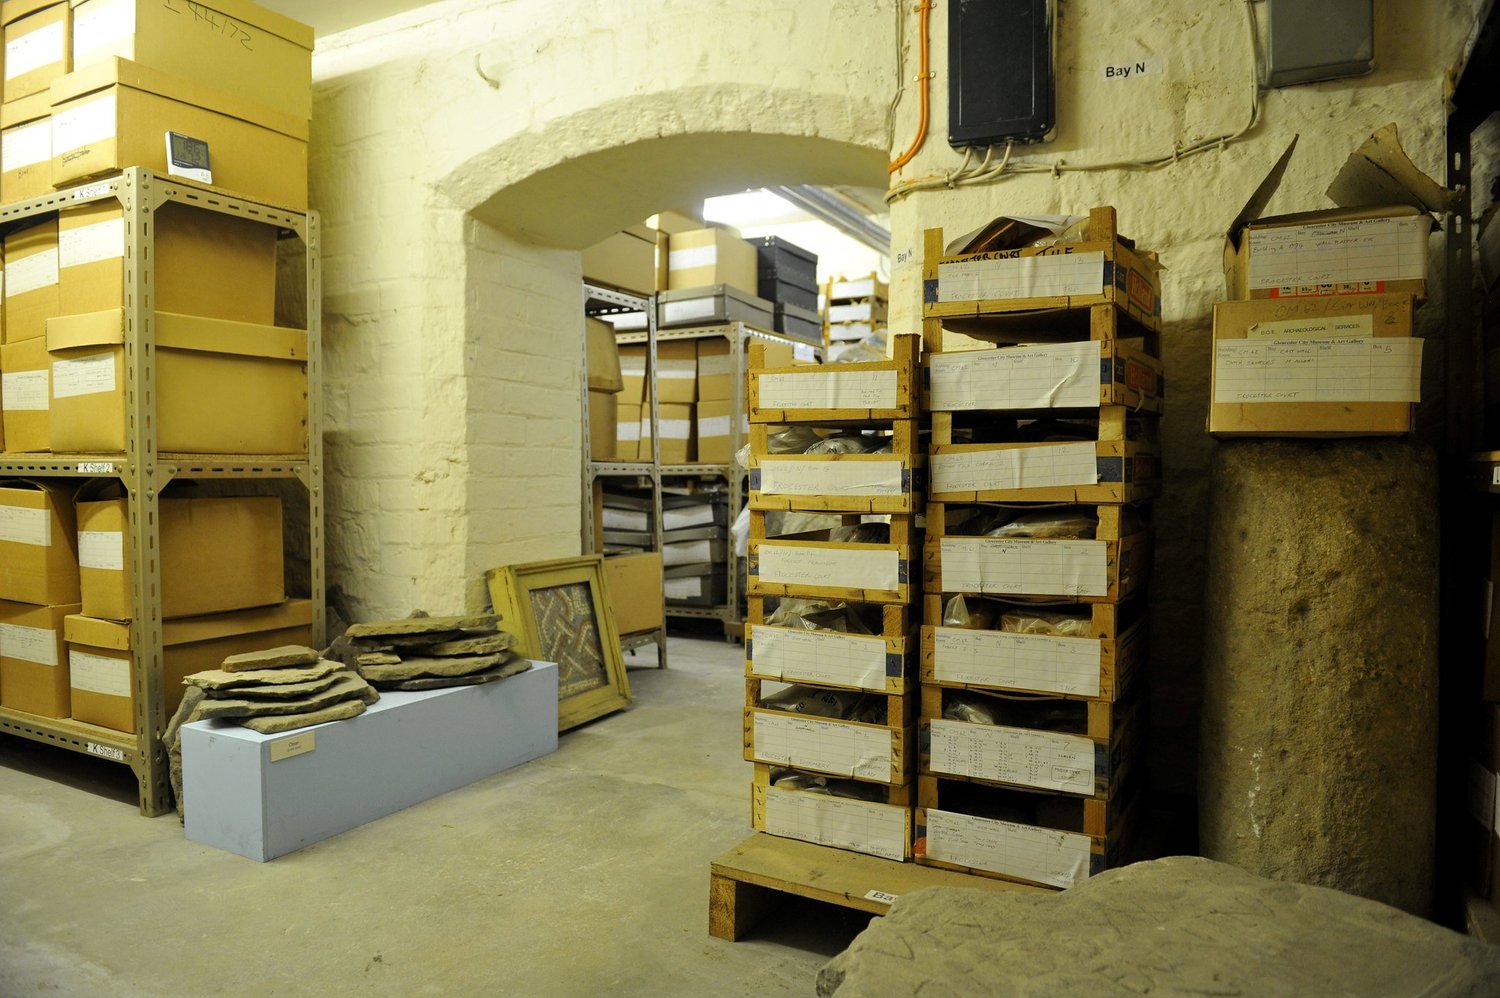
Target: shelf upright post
x=313 y=314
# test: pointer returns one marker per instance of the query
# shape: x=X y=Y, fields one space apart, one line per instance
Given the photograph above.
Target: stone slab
x=270 y=658
x=406 y=748
x=279 y=723
x=218 y=679
x=413 y=668
x=487 y=644
x=504 y=671
x=346 y=686
x=422 y=625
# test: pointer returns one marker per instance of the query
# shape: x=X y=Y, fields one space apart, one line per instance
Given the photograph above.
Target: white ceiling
x=329 y=16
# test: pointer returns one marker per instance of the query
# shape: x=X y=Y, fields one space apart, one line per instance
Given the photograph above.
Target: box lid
x=30 y=493
x=715 y=291
x=123 y=72
x=14 y=10
x=32 y=108
x=113 y=634
x=254 y=15
x=180 y=332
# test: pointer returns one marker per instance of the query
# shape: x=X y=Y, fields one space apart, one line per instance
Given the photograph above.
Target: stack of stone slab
x=426 y=653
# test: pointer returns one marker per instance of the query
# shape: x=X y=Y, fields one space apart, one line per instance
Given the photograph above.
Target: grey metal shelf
x=144 y=471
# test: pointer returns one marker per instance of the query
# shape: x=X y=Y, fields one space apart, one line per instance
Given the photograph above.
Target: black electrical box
x=1000 y=71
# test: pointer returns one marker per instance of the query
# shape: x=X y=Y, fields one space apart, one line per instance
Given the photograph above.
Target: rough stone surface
x=288 y=722
x=1176 y=926
x=377 y=658
x=270 y=658
x=347 y=687
x=279 y=691
x=1318 y=738
x=486 y=645
x=171 y=740
x=512 y=668
x=218 y=679
x=416 y=668
x=422 y=625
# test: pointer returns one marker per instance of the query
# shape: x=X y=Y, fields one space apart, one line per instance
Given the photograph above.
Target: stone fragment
x=290 y=722
x=248 y=701
x=414 y=668
x=485 y=645
x=400 y=642
x=514 y=667
x=483 y=622
x=377 y=658
x=270 y=658
x=218 y=679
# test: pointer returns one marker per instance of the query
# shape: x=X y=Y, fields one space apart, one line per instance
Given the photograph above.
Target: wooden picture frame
x=558 y=612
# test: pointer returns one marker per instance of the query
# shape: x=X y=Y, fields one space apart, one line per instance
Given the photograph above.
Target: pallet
x=1046 y=378
x=880 y=827
x=880 y=663
x=840 y=483
x=1115 y=467
x=808 y=564
x=837 y=394
x=750 y=880
x=882 y=752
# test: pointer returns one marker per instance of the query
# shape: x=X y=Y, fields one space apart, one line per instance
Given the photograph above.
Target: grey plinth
x=1318 y=748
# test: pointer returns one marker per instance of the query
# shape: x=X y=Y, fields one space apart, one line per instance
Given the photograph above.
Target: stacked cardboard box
x=789 y=280
x=1043 y=461
x=852 y=309
x=605 y=383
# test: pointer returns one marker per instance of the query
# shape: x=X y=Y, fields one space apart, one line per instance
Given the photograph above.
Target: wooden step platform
x=747 y=881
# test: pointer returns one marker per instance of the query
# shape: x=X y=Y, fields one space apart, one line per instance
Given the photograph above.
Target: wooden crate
x=809 y=564
x=1104 y=665
x=875 y=753
x=1106 y=569
x=875 y=827
x=840 y=483
x=880 y=663
x=837 y=394
x=1114 y=468
x=1046 y=378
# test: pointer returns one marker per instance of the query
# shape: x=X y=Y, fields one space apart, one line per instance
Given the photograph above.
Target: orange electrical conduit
x=923 y=10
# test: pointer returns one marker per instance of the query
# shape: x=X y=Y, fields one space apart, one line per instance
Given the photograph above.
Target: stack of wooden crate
x=1043 y=459
x=838 y=768
x=853 y=308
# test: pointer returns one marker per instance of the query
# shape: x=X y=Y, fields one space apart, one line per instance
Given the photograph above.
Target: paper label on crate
x=684 y=370
x=33 y=50
x=1042 y=759
x=785 y=564
x=28 y=273
x=1043 y=855
x=862 y=826
x=26 y=146
x=24 y=391
x=832 y=478
x=826 y=389
x=863 y=288
x=686 y=553
x=859 y=311
x=28 y=644
x=1054 y=376
x=1024 y=567
x=1046 y=664
x=1050 y=275
x=83 y=124
x=687 y=588
x=91 y=243
x=101 y=549
x=838 y=747
x=1371 y=249
x=714 y=426
x=1332 y=327
x=91 y=375
x=1379 y=369
x=98 y=673
x=715 y=364
x=20 y=525
x=99 y=24
x=697 y=256
x=818 y=657
x=849 y=331
x=1045 y=466
x=1481 y=795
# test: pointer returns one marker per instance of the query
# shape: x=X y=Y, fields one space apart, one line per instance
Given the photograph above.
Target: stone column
x=1318 y=752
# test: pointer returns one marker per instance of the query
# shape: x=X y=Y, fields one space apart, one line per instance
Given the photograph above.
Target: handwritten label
x=34 y=49
x=1003 y=468
x=1052 y=275
x=1045 y=664
x=831 y=478
x=1332 y=327
x=26 y=145
x=98 y=673
x=218 y=23
x=828 y=566
x=293 y=746
x=91 y=243
x=105 y=751
x=1063 y=375
x=863 y=826
x=1339 y=252
x=1024 y=567
x=99 y=28
x=101 y=549
x=838 y=747
x=23 y=391
x=21 y=525
x=91 y=375
x=827 y=389
x=1378 y=369
x=28 y=644
x=1041 y=759
x=1044 y=855
x=83 y=123
x=819 y=657
x=30 y=273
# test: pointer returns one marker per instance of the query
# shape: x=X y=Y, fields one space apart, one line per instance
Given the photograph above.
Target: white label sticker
x=28 y=644
x=105 y=751
x=818 y=657
x=1344 y=252
x=634 y=367
x=698 y=256
x=686 y=553
x=91 y=243
x=862 y=826
x=98 y=673
x=1055 y=275
x=24 y=391
x=39 y=270
x=101 y=549
x=793 y=565
x=26 y=145
x=859 y=311
x=690 y=587
x=828 y=389
x=686 y=370
x=1024 y=567
x=82 y=124
x=714 y=426
x=714 y=364
x=1041 y=759
x=33 y=50
x=864 y=287
x=99 y=28
x=1335 y=327
x=838 y=747
x=881 y=896
x=1058 y=859
x=1132 y=70
x=1063 y=375
x=1380 y=369
x=89 y=375
x=831 y=478
x=1000 y=468
x=675 y=429
x=1044 y=664
x=628 y=432
x=20 y=525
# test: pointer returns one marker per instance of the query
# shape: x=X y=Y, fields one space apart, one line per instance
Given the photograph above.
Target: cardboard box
x=700 y=257
x=38 y=542
x=33 y=660
x=632 y=374
x=1484 y=764
x=30 y=281
x=25 y=392
x=676 y=424
x=26 y=148
x=628 y=434
x=625 y=260
x=715 y=443
x=603 y=425
x=221 y=387
x=114 y=113
x=206 y=263
x=38 y=44
x=103 y=669
x=216 y=555
x=242 y=47
x=677 y=370
x=603 y=357
x=634 y=583
x=1333 y=366
x=715 y=370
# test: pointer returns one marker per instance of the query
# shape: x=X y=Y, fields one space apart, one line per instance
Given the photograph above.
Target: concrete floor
x=583 y=872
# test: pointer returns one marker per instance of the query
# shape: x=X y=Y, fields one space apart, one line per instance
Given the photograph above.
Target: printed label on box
x=698 y=256
x=818 y=657
x=20 y=525
x=1063 y=375
x=1058 y=275
x=28 y=273
x=83 y=124
x=829 y=390
x=1333 y=327
x=23 y=391
x=91 y=243
x=98 y=673
x=91 y=375
x=1372 y=249
x=628 y=432
x=99 y=24
x=826 y=746
x=785 y=564
x=1045 y=466
x=1068 y=666
x=714 y=426
x=675 y=429
x=832 y=478
x=28 y=644
x=33 y=50
x=26 y=145
x=101 y=549
x=1024 y=567
x=1059 y=859
x=1041 y=759
x=1378 y=369
x=863 y=826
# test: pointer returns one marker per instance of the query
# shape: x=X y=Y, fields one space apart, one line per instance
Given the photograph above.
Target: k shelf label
x=1130 y=70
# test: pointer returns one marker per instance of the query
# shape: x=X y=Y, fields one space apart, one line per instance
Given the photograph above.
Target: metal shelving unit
x=144 y=471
